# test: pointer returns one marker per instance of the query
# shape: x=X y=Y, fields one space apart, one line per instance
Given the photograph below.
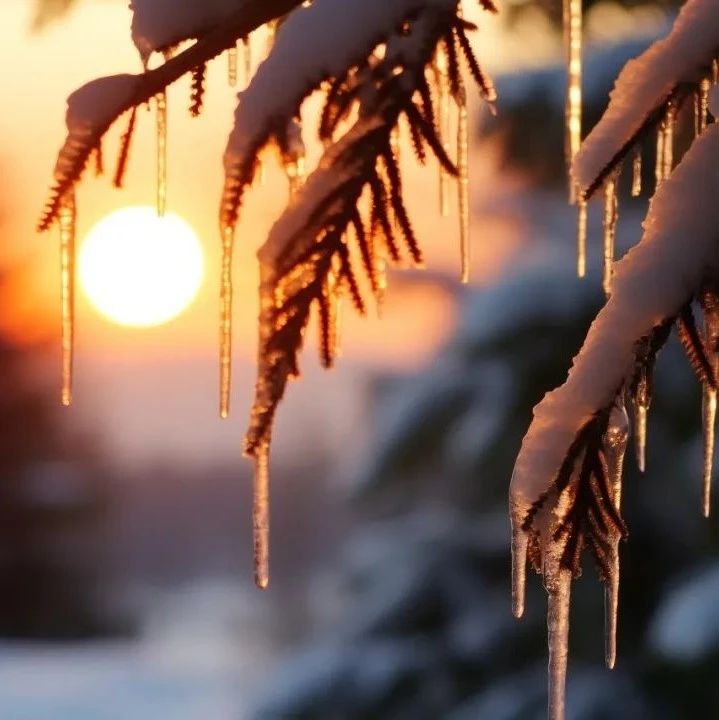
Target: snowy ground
x=201 y=655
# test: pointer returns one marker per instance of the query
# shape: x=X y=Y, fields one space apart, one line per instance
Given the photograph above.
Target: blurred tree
x=53 y=507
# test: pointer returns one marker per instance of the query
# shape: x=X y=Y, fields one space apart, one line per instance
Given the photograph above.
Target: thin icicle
x=573 y=108
x=641 y=410
x=710 y=306
x=394 y=143
x=463 y=185
x=247 y=52
x=581 y=237
x=228 y=242
x=67 y=222
x=615 y=442
x=701 y=106
x=519 y=565
x=709 y=413
x=637 y=172
x=261 y=518
x=610 y=230
x=232 y=66
x=444 y=124
x=659 y=166
x=668 y=124
x=558 y=596
x=161 y=117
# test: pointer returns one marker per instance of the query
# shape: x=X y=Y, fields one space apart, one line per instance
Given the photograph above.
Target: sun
x=140 y=270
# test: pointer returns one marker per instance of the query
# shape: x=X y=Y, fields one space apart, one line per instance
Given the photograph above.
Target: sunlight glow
x=141 y=270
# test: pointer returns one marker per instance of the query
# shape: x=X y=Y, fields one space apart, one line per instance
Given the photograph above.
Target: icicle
x=637 y=172
x=659 y=166
x=228 y=242
x=581 y=236
x=709 y=412
x=572 y=11
x=519 y=565
x=640 y=434
x=67 y=221
x=444 y=124
x=271 y=27
x=463 y=185
x=161 y=110
x=668 y=158
x=394 y=143
x=610 y=230
x=710 y=305
x=261 y=518
x=558 y=591
x=232 y=66
x=614 y=448
x=701 y=106
x=247 y=48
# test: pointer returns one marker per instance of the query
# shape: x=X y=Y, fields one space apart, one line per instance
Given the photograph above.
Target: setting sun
x=141 y=270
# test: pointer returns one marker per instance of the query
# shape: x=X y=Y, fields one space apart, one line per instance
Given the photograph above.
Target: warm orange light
x=141 y=270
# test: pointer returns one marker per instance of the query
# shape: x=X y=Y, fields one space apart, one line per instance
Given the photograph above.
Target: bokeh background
x=125 y=568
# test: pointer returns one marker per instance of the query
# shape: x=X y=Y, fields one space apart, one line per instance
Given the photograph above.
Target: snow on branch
x=308 y=260
x=337 y=56
x=565 y=492
x=95 y=107
x=660 y=79
x=158 y=25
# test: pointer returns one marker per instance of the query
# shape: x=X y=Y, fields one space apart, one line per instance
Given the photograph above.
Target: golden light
x=141 y=270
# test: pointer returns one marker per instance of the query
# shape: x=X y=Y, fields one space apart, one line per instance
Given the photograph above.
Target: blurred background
x=125 y=568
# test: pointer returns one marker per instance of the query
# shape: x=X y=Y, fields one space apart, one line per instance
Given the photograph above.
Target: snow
x=201 y=654
x=96 y=104
x=651 y=283
x=646 y=82
x=356 y=28
x=159 y=24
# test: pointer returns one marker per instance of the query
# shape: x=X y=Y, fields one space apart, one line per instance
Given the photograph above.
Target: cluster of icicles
x=294 y=165
x=599 y=449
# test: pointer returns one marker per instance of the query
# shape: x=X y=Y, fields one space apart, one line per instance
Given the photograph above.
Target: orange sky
x=121 y=370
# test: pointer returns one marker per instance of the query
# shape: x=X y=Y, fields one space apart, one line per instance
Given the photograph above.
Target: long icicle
x=67 y=222
x=615 y=442
x=610 y=230
x=709 y=413
x=669 y=123
x=581 y=237
x=444 y=124
x=463 y=184
x=161 y=118
x=228 y=242
x=572 y=10
x=519 y=564
x=710 y=306
x=558 y=595
x=261 y=518
x=640 y=434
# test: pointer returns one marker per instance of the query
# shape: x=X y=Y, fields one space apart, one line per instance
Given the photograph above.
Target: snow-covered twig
x=565 y=492
x=672 y=69
x=96 y=106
